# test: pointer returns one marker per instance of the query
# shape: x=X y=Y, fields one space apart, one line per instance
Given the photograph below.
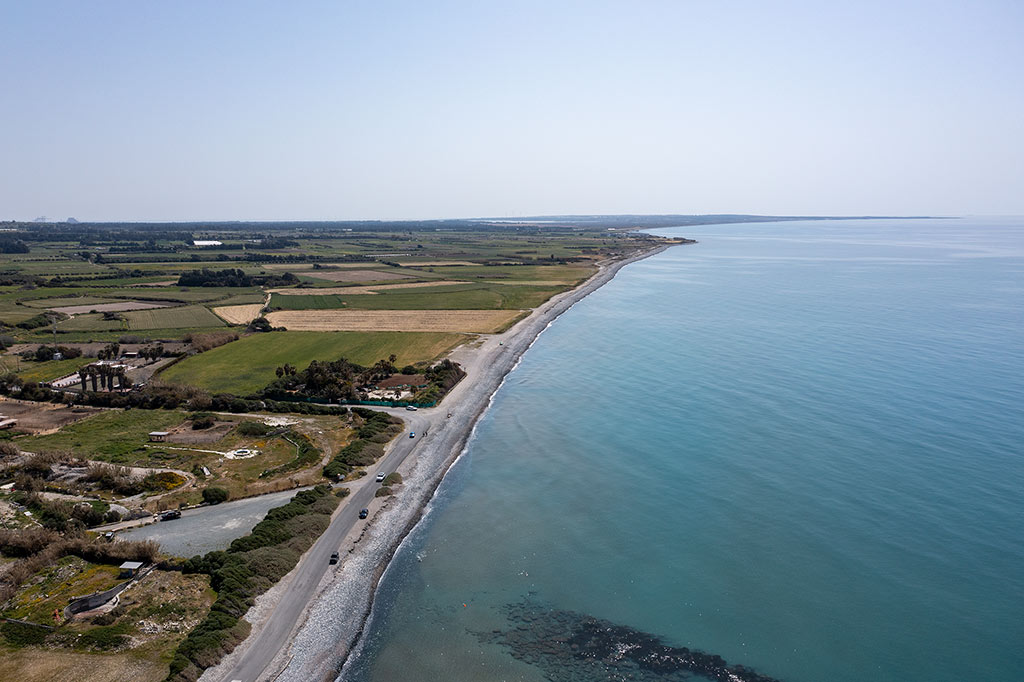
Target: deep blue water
x=799 y=446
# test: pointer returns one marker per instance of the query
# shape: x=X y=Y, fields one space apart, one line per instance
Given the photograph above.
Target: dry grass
x=370 y=289
x=54 y=665
x=469 y=321
x=37 y=418
x=355 y=275
x=239 y=314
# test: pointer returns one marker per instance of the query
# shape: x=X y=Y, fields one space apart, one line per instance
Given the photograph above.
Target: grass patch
x=247 y=365
x=169 y=318
x=110 y=436
x=43 y=371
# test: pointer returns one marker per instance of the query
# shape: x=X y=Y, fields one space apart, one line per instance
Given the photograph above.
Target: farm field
x=247 y=365
x=356 y=275
x=239 y=314
x=371 y=289
x=185 y=316
x=40 y=417
x=43 y=371
x=464 y=321
x=119 y=306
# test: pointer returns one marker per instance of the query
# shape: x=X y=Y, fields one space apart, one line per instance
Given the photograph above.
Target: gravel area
x=208 y=528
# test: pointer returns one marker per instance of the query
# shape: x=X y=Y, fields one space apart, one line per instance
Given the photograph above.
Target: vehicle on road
x=334 y=558
x=412 y=434
x=380 y=477
x=411 y=408
x=170 y=515
x=363 y=513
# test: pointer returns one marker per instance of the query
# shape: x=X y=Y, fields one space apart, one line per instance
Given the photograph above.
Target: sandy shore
x=334 y=621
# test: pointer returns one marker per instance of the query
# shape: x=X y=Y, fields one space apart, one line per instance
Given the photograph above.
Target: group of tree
x=47 y=353
x=107 y=375
x=9 y=244
x=233 y=277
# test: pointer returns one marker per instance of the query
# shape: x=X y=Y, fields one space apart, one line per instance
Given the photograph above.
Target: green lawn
x=111 y=436
x=247 y=365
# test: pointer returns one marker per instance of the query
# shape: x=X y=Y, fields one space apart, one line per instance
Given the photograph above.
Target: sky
x=251 y=110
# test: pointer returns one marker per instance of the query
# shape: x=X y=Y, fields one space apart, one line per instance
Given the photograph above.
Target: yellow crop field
x=468 y=321
x=239 y=314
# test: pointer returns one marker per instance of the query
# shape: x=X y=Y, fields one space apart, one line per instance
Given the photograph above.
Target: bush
x=214 y=495
x=201 y=423
x=394 y=478
x=383 y=491
x=251 y=428
x=104 y=638
x=22 y=634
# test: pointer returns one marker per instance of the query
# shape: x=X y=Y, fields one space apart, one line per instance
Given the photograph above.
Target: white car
x=380 y=477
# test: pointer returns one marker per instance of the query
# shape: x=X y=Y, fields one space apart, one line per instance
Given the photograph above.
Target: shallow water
x=797 y=446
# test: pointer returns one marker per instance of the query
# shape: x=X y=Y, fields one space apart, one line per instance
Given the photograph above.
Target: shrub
x=394 y=478
x=383 y=491
x=22 y=634
x=251 y=428
x=214 y=495
x=200 y=423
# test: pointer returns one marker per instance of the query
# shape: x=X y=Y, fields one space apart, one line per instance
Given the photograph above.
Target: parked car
x=412 y=434
x=363 y=513
x=411 y=408
x=334 y=558
x=380 y=477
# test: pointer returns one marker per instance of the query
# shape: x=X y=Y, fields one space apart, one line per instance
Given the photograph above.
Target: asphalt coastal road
x=316 y=562
x=314 y=624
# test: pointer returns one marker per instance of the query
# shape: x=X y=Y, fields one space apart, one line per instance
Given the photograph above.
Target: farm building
x=7 y=422
x=158 y=436
x=206 y=242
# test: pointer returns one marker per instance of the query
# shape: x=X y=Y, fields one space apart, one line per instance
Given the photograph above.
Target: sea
x=793 y=451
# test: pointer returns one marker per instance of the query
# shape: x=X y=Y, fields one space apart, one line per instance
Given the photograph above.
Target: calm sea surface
x=797 y=446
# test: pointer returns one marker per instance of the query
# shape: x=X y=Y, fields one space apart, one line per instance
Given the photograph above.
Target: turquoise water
x=798 y=446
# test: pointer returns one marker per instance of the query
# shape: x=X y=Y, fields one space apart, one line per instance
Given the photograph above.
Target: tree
x=214 y=495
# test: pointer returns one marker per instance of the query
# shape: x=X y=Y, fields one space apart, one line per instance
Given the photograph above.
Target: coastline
x=333 y=623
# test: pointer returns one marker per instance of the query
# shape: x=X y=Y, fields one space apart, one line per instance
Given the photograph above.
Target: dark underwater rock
x=575 y=647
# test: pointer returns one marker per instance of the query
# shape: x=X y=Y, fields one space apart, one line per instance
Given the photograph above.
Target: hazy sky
x=425 y=109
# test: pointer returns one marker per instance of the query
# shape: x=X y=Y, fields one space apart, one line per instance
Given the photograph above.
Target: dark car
x=170 y=515
x=334 y=558
x=363 y=513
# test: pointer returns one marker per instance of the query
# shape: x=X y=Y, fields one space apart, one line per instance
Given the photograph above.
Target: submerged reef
x=575 y=647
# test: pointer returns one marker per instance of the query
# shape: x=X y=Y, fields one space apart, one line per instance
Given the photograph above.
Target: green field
x=459 y=297
x=170 y=318
x=247 y=365
x=43 y=371
x=110 y=436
